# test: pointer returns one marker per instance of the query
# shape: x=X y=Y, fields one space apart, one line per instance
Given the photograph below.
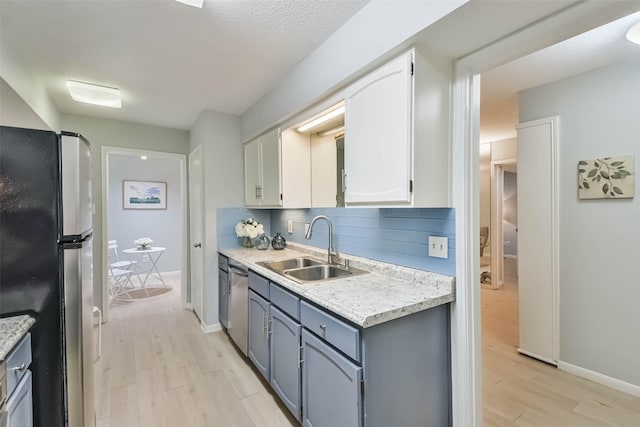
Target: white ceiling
x=500 y=86
x=170 y=61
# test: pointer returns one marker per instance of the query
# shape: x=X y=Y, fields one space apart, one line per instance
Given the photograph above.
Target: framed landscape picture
x=144 y=195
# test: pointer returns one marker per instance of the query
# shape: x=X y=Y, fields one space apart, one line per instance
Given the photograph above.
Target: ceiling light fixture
x=194 y=3
x=143 y=157
x=324 y=118
x=633 y=35
x=94 y=94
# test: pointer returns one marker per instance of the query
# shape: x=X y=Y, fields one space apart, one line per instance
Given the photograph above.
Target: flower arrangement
x=249 y=228
x=143 y=242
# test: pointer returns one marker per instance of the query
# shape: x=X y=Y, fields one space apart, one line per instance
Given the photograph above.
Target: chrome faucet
x=332 y=255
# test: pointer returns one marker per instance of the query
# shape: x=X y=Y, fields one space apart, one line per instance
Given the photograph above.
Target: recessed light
x=633 y=35
x=94 y=94
x=194 y=3
x=143 y=157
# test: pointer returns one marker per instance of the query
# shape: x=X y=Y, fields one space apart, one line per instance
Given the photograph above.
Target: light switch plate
x=438 y=247
x=290 y=226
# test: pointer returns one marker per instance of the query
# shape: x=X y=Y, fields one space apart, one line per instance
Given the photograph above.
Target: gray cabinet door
x=20 y=405
x=330 y=386
x=223 y=298
x=258 y=350
x=285 y=360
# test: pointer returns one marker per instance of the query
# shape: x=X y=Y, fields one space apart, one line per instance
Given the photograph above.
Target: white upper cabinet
x=378 y=135
x=397 y=135
x=277 y=170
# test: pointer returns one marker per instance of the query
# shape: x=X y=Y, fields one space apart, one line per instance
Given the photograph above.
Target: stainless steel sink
x=288 y=264
x=305 y=270
x=318 y=272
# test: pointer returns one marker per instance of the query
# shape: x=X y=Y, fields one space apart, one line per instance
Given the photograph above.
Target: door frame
x=496 y=239
x=106 y=152
x=202 y=229
x=466 y=361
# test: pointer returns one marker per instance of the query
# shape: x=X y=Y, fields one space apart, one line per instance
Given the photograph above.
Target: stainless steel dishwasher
x=238 y=305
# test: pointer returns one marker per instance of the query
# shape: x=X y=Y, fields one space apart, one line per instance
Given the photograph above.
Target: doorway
x=144 y=197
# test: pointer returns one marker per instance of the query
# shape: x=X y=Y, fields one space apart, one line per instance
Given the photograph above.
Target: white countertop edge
x=441 y=286
x=12 y=329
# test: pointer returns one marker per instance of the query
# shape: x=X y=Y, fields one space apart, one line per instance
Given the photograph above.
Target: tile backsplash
x=395 y=235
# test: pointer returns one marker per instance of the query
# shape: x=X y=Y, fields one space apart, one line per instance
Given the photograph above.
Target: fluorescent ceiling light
x=324 y=118
x=194 y=3
x=633 y=35
x=94 y=94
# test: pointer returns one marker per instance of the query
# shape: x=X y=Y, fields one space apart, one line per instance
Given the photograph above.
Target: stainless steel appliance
x=46 y=265
x=238 y=305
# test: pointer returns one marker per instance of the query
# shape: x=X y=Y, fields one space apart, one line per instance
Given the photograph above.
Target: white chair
x=113 y=252
x=119 y=279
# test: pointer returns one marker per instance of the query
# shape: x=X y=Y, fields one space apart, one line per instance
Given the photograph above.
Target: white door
x=377 y=154
x=537 y=239
x=195 y=218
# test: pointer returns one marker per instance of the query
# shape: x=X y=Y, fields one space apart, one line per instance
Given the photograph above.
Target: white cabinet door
x=270 y=161
x=378 y=135
x=252 y=173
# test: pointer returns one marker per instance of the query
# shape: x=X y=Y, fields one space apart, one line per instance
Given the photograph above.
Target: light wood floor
x=520 y=391
x=159 y=369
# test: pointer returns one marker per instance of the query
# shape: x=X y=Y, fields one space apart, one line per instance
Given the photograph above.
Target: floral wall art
x=606 y=178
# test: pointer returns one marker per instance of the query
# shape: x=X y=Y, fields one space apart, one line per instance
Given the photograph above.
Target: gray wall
x=117 y=133
x=223 y=186
x=163 y=226
x=599 y=239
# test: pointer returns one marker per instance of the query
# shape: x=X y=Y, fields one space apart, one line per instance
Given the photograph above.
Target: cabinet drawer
x=285 y=301
x=18 y=363
x=345 y=337
x=223 y=262
x=259 y=284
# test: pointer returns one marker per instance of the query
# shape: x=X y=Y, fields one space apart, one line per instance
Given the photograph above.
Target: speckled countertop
x=12 y=329
x=388 y=292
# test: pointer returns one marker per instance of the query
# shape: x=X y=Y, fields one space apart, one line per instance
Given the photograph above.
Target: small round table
x=154 y=252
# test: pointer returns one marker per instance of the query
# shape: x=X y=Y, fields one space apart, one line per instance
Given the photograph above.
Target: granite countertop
x=388 y=292
x=12 y=329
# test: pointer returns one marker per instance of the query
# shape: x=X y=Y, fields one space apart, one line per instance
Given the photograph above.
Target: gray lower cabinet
x=331 y=386
x=285 y=360
x=20 y=404
x=223 y=297
x=258 y=350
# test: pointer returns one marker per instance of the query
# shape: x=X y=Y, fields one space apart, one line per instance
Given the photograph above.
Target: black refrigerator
x=46 y=265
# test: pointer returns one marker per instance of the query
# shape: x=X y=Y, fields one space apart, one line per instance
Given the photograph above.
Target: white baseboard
x=211 y=328
x=599 y=378
x=537 y=356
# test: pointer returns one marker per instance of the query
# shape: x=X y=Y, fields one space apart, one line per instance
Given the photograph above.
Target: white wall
x=219 y=136
x=15 y=112
x=371 y=37
x=485 y=186
x=164 y=226
x=510 y=213
x=117 y=133
x=599 y=239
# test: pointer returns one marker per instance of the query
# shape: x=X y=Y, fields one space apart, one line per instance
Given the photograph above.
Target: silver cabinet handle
x=300 y=360
x=264 y=323
x=20 y=368
x=324 y=329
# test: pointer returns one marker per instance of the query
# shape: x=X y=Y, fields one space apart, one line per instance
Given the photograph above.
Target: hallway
x=521 y=391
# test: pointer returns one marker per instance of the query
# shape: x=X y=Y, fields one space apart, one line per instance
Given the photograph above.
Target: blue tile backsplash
x=395 y=235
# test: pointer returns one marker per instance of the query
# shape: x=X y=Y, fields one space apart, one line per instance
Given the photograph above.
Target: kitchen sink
x=288 y=264
x=305 y=270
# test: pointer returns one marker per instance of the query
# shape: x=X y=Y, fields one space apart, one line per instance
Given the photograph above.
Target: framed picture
x=144 y=195
x=606 y=178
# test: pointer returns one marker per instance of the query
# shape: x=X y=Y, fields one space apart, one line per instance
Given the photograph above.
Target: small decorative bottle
x=262 y=242
x=278 y=242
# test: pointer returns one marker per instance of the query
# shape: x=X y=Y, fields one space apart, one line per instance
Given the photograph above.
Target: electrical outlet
x=145 y=258
x=438 y=247
x=290 y=226
x=507 y=243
